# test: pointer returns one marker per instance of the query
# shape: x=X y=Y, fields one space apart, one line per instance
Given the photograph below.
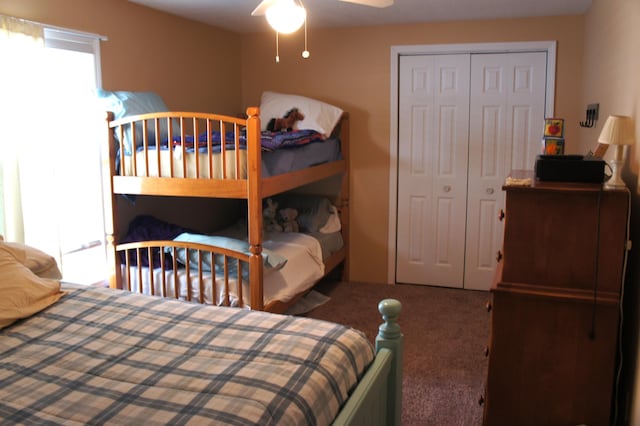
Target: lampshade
x=285 y=16
x=617 y=130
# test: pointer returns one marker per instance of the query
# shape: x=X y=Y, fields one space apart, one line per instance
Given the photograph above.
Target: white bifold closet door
x=464 y=122
x=432 y=171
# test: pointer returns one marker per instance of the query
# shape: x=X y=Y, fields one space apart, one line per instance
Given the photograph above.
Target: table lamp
x=618 y=131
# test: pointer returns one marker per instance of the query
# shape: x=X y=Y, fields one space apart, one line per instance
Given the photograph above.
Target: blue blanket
x=270 y=141
x=100 y=356
x=149 y=228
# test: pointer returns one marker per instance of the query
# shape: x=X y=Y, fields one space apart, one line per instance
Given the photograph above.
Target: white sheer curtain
x=50 y=130
x=21 y=47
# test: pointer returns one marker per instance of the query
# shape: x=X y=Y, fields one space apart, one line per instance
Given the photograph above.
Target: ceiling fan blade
x=261 y=9
x=373 y=3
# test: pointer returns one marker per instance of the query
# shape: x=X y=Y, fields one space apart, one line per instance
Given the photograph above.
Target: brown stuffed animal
x=287 y=123
x=287 y=219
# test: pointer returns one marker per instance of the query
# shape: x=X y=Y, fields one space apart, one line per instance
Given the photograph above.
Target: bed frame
x=232 y=184
x=377 y=400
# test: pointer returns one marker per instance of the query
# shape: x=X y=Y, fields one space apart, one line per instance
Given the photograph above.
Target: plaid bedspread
x=101 y=356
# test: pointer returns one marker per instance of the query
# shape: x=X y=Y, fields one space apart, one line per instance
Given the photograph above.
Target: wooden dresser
x=555 y=305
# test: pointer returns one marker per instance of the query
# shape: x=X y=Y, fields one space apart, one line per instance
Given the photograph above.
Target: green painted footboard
x=377 y=400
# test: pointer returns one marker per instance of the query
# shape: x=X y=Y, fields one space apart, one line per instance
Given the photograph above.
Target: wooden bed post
x=390 y=337
x=108 y=153
x=377 y=400
x=344 y=192
x=254 y=207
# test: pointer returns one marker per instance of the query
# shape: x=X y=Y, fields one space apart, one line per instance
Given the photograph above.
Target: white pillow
x=333 y=223
x=318 y=115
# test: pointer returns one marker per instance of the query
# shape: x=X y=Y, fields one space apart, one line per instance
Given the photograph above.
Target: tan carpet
x=445 y=331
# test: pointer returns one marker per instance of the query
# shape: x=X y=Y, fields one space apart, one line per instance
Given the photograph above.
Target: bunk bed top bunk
x=229 y=185
x=193 y=154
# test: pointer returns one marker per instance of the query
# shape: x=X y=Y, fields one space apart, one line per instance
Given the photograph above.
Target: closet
x=465 y=120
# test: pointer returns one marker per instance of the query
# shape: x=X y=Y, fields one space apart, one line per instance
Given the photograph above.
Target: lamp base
x=615 y=181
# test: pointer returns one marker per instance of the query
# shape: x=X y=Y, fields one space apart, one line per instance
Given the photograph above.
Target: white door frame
x=396 y=52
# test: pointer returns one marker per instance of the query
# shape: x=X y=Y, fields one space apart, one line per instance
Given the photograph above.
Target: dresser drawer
x=555 y=237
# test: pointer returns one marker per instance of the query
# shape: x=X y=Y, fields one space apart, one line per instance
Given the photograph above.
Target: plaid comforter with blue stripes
x=101 y=356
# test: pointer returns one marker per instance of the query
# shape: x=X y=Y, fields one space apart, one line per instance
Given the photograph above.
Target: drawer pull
x=490 y=191
x=481 y=400
x=486 y=351
x=501 y=215
x=446 y=188
x=488 y=306
x=498 y=256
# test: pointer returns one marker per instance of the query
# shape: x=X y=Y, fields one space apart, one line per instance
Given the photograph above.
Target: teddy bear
x=287 y=123
x=287 y=218
x=269 y=217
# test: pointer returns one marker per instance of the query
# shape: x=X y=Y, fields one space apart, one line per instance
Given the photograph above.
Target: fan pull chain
x=305 y=52
x=277 y=50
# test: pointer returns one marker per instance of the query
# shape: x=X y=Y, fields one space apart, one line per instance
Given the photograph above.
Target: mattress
x=102 y=356
x=330 y=243
x=297 y=158
x=303 y=268
x=273 y=162
x=184 y=164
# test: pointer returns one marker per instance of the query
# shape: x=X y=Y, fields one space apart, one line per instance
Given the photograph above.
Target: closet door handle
x=446 y=188
x=498 y=256
x=501 y=215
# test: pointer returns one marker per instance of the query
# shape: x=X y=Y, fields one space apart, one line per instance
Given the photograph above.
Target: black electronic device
x=570 y=168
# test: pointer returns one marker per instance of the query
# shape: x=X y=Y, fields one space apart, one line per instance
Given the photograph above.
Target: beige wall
x=225 y=72
x=612 y=78
x=150 y=50
x=351 y=68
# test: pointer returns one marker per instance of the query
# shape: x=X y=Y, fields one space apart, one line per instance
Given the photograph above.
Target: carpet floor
x=445 y=334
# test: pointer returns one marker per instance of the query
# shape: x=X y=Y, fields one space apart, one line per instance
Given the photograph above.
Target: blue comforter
x=270 y=141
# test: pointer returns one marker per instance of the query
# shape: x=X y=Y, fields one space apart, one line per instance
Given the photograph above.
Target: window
x=60 y=184
x=74 y=63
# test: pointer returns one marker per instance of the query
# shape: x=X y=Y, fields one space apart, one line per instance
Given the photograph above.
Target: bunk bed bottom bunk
x=97 y=355
x=182 y=262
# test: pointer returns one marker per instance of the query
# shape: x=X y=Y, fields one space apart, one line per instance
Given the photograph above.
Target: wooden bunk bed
x=225 y=163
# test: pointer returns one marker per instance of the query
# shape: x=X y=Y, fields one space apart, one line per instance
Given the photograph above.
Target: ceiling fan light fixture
x=285 y=16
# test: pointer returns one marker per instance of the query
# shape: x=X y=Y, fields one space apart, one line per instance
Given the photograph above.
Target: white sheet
x=190 y=160
x=303 y=269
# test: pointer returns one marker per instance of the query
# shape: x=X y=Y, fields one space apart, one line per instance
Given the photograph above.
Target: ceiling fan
x=266 y=4
x=288 y=16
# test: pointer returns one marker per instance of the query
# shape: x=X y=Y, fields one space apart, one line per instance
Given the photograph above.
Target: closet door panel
x=432 y=169
x=505 y=129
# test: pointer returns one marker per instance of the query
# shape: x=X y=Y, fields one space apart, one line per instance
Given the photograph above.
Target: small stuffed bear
x=269 y=217
x=287 y=123
x=288 y=221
